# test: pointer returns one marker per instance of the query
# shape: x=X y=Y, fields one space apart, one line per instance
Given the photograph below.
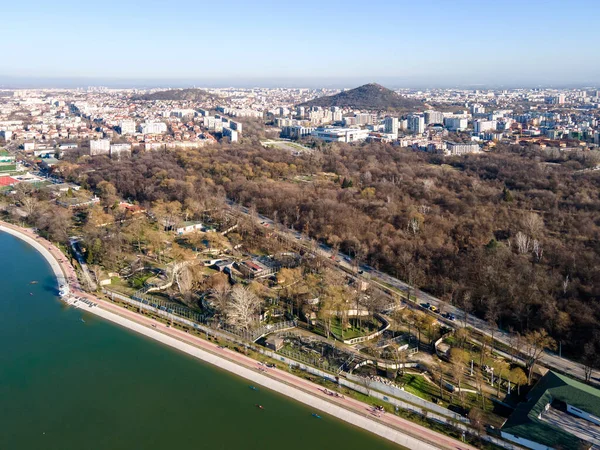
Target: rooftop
x=525 y=421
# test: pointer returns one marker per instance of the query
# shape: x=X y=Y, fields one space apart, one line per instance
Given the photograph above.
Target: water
x=72 y=384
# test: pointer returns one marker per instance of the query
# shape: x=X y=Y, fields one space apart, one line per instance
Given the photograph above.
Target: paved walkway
x=386 y=425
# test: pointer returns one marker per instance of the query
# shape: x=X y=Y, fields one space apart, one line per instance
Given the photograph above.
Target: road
x=347 y=264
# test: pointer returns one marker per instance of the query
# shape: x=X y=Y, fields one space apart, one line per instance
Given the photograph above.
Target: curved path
x=388 y=426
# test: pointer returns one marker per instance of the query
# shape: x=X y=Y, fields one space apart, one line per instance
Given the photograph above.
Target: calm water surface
x=71 y=381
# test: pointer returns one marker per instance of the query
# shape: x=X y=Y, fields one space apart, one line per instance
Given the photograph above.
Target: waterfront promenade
x=388 y=426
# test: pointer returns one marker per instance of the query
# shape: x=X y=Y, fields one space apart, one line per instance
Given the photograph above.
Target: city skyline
x=400 y=44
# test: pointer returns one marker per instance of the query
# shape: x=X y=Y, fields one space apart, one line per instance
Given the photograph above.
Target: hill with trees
x=512 y=236
x=371 y=96
x=191 y=95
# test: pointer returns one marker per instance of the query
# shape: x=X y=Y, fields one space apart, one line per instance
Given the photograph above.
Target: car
x=434 y=309
x=425 y=305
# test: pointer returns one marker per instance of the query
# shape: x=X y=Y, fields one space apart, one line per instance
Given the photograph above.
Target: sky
x=327 y=43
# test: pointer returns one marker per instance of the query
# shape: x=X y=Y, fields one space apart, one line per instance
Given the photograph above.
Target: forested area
x=511 y=235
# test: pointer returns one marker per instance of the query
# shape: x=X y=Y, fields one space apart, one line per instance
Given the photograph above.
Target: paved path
x=387 y=425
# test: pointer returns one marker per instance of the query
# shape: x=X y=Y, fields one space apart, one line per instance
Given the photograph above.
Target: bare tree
x=476 y=418
x=565 y=285
x=439 y=369
x=243 y=307
x=535 y=344
x=516 y=343
x=591 y=357
x=466 y=304
x=29 y=204
x=458 y=371
x=523 y=243
x=533 y=224
x=537 y=250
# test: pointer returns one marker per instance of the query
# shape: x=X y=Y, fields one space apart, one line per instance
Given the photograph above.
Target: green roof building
x=560 y=413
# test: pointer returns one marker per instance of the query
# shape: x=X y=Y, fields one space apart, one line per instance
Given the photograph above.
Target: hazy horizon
x=310 y=83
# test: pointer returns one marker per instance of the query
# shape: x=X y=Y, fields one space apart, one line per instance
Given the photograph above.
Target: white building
x=296 y=131
x=391 y=125
x=127 y=127
x=181 y=113
x=237 y=126
x=99 y=147
x=458 y=148
x=456 y=123
x=153 y=128
x=231 y=134
x=481 y=126
x=336 y=134
x=118 y=150
x=6 y=134
x=476 y=108
x=416 y=124
x=364 y=119
x=433 y=117
x=189 y=227
x=212 y=123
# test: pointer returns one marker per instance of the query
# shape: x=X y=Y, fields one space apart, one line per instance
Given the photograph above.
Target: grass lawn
x=5 y=168
x=138 y=280
x=354 y=330
x=121 y=286
x=418 y=385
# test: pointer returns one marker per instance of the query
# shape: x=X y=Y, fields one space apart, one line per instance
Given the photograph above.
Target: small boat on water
x=254 y=388
x=259 y=406
x=33 y=282
x=83 y=320
x=31 y=293
x=316 y=416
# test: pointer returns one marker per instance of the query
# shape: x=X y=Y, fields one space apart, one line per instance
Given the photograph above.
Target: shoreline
x=50 y=259
x=348 y=410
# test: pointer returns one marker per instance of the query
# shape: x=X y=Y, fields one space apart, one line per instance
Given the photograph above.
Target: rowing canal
x=69 y=380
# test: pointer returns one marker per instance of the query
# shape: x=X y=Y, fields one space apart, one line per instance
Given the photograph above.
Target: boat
x=31 y=293
x=83 y=320
x=316 y=415
x=33 y=282
x=259 y=406
x=254 y=388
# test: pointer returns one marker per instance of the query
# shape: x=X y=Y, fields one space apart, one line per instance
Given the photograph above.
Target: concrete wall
x=584 y=415
x=524 y=442
x=408 y=397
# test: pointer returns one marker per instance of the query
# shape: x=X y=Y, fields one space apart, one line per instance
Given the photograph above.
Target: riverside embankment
x=388 y=426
